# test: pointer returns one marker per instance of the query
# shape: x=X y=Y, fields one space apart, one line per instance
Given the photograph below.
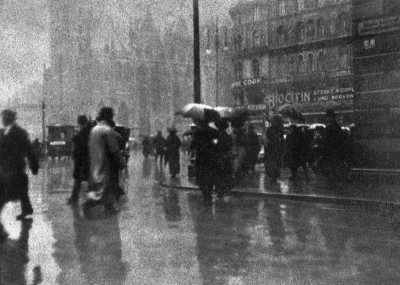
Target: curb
x=368 y=203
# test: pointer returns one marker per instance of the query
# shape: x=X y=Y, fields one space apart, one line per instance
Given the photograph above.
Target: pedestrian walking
x=274 y=148
x=15 y=147
x=80 y=156
x=106 y=160
x=147 y=146
x=297 y=148
x=203 y=145
x=239 y=139
x=159 y=147
x=172 y=146
x=223 y=160
x=253 y=148
x=332 y=154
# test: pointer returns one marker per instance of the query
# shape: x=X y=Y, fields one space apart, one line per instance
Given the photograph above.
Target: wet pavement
x=168 y=236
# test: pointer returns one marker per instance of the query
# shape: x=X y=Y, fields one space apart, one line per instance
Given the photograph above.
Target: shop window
x=256 y=68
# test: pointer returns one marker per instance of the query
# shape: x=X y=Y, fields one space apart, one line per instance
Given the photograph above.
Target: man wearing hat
x=14 y=148
x=106 y=160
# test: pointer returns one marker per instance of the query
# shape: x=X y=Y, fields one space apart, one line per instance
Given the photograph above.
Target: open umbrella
x=199 y=112
x=291 y=112
x=316 y=126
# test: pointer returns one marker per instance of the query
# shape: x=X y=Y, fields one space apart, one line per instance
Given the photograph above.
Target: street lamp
x=217 y=47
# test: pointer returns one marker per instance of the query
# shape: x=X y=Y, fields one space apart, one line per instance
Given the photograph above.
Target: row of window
x=299 y=32
x=283 y=66
x=287 y=7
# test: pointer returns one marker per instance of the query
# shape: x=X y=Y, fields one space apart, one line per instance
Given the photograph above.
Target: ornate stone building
x=297 y=52
x=133 y=65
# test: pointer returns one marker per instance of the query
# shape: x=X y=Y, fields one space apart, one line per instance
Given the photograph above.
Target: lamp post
x=196 y=53
x=209 y=51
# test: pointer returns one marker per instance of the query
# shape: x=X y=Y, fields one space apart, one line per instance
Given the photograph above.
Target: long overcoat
x=172 y=145
x=105 y=162
x=14 y=148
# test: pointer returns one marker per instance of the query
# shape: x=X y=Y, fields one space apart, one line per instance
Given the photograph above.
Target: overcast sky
x=24 y=38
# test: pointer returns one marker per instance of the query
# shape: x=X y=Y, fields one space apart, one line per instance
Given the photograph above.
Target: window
x=369 y=44
x=321 y=62
x=282 y=66
x=310 y=29
x=239 y=74
x=291 y=6
x=256 y=68
x=320 y=28
x=310 y=63
x=344 y=58
x=256 y=39
x=342 y=23
x=300 y=65
x=291 y=66
x=257 y=14
x=300 y=32
x=282 y=35
x=282 y=8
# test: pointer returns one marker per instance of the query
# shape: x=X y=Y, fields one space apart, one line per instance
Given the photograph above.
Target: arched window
x=310 y=29
x=282 y=35
x=300 y=32
x=291 y=66
x=310 y=63
x=321 y=62
x=320 y=28
x=300 y=67
x=344 y=58
x=256 y=68
x=281 y=66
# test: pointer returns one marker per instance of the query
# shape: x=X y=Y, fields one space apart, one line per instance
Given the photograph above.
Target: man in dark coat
x=253 y=148
x=274 y=149
x=14 y=148
x=159 y=146
x=81 y=157
x=203 y=144
x=172 y=146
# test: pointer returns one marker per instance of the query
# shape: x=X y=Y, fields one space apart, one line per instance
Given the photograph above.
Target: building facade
x=144 y=72
x=295 y=52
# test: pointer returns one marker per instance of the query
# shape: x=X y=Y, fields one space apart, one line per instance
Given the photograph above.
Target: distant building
x=297 y=52
x=143 y=72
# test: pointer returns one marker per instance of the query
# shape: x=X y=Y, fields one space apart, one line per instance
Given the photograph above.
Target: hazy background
x=24 y=38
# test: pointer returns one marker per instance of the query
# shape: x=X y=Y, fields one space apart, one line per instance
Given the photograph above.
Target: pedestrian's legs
x=26 y=205
x=75 y=191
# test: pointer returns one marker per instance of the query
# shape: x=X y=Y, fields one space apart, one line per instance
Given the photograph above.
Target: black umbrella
x=291 y=112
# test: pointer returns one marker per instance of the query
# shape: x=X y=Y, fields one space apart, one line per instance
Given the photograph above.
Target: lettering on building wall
x=379 y=25
x=310 y=96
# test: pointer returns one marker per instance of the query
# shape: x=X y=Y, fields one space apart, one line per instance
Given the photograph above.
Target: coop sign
x=247 y=82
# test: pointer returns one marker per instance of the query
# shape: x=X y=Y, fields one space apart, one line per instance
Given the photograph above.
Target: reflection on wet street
x=167 y=236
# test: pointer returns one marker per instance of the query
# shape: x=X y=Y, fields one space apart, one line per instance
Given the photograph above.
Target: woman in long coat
x=172 y=146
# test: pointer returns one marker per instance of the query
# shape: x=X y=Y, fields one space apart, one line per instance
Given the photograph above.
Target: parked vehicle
x=59 y=140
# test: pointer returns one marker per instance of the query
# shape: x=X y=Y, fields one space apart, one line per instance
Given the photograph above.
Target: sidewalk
x=374 y=193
